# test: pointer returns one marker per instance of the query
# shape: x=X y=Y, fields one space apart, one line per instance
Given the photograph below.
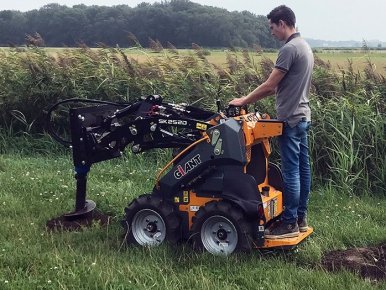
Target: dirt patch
x=71 y=224
x=368 y=262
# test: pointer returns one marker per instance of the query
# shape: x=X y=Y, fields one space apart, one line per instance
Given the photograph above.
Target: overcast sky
x=318 y=19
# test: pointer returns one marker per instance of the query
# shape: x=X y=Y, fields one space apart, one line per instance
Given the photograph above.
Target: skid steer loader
x=219 y=192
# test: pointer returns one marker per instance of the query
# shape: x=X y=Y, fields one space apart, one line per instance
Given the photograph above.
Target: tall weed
x=348 y=135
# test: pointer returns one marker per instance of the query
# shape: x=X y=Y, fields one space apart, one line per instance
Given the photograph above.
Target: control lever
x=218 y=104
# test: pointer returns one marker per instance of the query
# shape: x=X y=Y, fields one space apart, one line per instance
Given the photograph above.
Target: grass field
x=37 y=188
x=337 y=58
x=359 y=59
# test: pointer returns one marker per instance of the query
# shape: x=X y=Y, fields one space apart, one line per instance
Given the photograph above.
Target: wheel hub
x=151 y=227
x=148 y=228
x=219 y=235
x=222 y=234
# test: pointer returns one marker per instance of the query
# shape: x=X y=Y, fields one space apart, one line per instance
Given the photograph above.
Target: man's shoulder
x=296 y=42
x=288 y=48
x=295 y=45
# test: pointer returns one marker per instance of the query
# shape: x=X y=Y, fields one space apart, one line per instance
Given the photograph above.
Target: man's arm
x=265 y=89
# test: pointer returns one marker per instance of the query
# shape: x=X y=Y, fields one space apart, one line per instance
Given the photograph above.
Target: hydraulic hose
x=49 y=122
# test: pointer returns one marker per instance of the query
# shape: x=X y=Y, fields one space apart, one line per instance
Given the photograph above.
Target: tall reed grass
x=348 y=143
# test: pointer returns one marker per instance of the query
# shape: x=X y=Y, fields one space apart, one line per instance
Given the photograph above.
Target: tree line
x=176 y=22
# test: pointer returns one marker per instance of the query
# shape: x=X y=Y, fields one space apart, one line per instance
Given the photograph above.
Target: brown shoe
x=302 y=223
x=282 y=230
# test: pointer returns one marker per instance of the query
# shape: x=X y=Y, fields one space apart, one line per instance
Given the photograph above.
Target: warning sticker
x=186 y=196
x=272 y=211
x=201 y=126
x=194 y=208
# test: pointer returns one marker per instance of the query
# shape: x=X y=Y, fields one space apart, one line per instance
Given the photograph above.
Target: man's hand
x=264 y=90
x=238 y=102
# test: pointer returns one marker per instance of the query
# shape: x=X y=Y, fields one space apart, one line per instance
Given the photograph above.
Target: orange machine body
x=258 y=129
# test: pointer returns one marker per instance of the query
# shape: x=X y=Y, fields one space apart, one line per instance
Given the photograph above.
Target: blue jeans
x=296 y=170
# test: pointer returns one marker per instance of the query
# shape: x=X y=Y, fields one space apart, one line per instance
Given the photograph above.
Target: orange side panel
x=267 y=129
x=194 y=204
x=273 y=203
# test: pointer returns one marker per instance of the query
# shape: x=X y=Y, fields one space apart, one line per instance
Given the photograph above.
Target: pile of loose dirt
x=368 y=262
x=66 y=223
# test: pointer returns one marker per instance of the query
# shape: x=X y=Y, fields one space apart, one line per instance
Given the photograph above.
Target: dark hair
x=284 y=13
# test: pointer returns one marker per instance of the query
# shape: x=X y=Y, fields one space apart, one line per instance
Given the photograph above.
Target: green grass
x=359 y=58
x=37 y=188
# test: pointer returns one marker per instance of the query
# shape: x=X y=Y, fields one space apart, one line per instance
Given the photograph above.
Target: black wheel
x=150 y=221
x=221 y=228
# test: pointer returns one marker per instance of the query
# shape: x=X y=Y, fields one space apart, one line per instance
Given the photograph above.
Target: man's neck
x=289 y=32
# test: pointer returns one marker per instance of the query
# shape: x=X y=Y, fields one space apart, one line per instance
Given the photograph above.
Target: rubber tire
x=165 y=209
x=230 y=212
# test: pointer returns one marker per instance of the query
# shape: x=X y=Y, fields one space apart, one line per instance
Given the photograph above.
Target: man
x=290 y=79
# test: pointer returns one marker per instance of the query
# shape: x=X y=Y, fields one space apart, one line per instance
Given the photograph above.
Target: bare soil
x=369 y=263
x=71 y=224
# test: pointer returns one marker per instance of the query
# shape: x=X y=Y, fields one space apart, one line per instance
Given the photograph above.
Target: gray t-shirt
x=297 y=61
